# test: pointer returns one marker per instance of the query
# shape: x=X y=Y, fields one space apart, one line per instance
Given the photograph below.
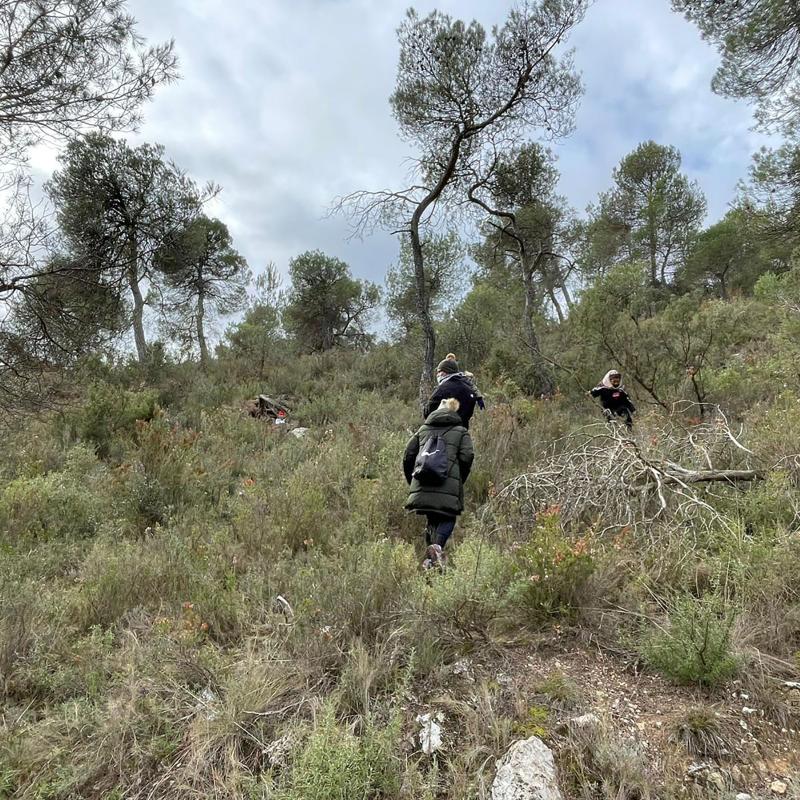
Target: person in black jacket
x=614 y=398
x=441 y=503
x=453 y=383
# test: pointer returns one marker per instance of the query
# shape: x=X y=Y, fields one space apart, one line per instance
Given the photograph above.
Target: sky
x=284 y=103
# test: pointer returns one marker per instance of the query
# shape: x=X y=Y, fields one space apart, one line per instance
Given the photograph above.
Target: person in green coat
x=441 y=503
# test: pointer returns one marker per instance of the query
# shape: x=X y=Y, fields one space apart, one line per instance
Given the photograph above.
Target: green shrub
x=593 y=762
x=551 y=570
x=163 y=474
x=464 y=602
x=59 y=668
x=762 y=574
x=30 y=448
x=49 y=507
x=334 y=764
x=359 y=593
x=108 y=413
x=770 y=504
x=162 y=573
x=695 y=644
x=560 y=691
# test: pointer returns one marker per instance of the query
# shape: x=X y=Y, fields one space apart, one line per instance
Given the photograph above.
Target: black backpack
x=432 y=465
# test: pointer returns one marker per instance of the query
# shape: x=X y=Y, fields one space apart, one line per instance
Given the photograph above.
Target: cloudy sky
x=285 y=104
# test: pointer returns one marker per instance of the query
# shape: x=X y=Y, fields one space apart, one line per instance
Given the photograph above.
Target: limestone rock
x=778 y=787
x=585 y=721
x=279 y=752
x=430 y=734
x=207 y=705
x=716 y=780
x=526 y=772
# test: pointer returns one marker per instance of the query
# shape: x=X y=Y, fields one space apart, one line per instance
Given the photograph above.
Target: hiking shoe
x=435 y=555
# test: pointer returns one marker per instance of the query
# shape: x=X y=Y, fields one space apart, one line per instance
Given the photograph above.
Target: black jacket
x=455 y=386
x=447 y=498
x=615 y=400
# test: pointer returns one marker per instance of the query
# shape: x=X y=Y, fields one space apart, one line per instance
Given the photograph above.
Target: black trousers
x=440 y=527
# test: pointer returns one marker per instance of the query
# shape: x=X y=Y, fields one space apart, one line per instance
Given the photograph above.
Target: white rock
x=205 y=704
x=278 y=752
x=586 y=721
x=298 y=433
x=778 y=787
x=461 y=667
x=430 y=734
x=716 y=780
x=503 y=679
x=697 y=770
x=526 y=772
x=748 y=711
x=743 y=796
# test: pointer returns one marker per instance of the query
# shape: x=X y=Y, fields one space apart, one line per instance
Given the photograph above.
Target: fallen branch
x=711 y=475
x=602 y=474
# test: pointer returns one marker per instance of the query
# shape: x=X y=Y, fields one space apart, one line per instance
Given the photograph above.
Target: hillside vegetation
x=149 y=526
x=198 y=603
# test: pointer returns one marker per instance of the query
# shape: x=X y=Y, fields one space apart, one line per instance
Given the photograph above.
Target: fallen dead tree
x=603 y=473
x=713 y=475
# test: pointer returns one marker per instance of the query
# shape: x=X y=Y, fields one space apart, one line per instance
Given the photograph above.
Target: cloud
x=647 y=75
x=285 y=104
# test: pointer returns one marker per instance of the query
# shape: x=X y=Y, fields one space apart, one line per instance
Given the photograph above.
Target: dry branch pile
x=603 y=473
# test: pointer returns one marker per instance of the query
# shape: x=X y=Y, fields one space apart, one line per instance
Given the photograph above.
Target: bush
x=53 y=506
x=334 y=764
x=109 y=412
x=163 y=573
x=594 y=763
x=551 y=571
x=700 y=733
x=355 y=595
x=164 y=473
x=464 y=602
x=560 y=691
x=695 y=645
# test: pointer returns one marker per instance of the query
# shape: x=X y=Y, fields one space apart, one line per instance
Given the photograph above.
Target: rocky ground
x=734 y=743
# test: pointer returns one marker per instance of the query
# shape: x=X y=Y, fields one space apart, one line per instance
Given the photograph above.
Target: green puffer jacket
x=447 y=498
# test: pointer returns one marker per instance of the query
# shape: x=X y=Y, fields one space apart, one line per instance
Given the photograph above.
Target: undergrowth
x=148 y=534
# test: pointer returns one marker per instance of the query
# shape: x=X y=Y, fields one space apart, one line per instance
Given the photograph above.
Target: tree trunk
x=422 y=300
x=423 y=315
x=567 y=296
x=653 y=264
x=723 y=286
x=712 y=475
x=652 y=243
x=201 y=334
x=544 y=380
x=138 y=306
x=556 y=305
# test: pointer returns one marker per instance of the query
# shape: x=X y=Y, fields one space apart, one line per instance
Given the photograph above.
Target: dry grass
x=703 y=732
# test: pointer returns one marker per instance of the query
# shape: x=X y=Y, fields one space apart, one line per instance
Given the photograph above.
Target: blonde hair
x=450 y=357
x=450 y=404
